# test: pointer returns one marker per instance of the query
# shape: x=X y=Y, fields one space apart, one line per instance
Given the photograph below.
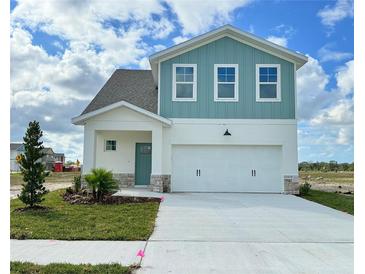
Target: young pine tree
x=31 y=167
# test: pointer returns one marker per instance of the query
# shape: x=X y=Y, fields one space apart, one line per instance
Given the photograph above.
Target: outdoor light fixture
x=227 y=133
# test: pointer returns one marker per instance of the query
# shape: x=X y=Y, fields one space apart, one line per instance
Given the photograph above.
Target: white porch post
x=89 y=149
x=157 y=179
x=156 y=151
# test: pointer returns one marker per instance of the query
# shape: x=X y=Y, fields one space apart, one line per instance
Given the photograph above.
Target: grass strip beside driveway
x=337 y=201
x=20 y=267
x=63 y=221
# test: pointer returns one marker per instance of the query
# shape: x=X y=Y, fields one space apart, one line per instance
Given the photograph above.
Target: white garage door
x=226 y=169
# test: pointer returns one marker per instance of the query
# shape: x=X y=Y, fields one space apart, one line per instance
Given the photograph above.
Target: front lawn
x=63 y=221
x=337 y=201
x=25 y=268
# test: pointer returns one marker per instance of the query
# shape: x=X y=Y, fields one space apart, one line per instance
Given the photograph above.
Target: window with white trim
x=268 y=83
x=110 y=145
x=226 y=82
x=184 y=82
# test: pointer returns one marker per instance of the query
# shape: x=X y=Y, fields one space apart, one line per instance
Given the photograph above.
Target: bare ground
x=53 y=182
x=342 y=182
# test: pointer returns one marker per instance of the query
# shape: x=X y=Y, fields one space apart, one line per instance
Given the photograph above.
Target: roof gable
x=80 y=120
x=227 y=31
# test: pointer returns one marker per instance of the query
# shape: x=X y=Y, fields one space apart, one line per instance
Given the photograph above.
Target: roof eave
x=80 y=120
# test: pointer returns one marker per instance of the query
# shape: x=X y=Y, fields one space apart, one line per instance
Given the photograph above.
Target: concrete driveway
x=248 y=233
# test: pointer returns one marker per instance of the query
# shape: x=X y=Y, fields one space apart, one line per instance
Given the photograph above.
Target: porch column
x=156 y=168
x=158 y=180
x=89 y=150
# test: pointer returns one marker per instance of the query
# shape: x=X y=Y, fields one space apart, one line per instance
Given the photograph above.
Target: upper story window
x=268 y=83
x=184 y=82
x=226 y=83
x=110 y=145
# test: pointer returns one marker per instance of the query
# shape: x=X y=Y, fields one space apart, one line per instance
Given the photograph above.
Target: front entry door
x=143 y=163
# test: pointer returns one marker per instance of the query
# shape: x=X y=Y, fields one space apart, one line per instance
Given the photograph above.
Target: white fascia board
x=234 y=121
x=79 y=120
x=245 y=37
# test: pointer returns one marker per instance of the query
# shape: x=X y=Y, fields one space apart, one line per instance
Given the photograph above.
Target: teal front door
x=143 y=163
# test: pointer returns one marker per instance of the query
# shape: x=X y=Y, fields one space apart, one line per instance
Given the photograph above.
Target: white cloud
x=325 y=115
x=311 y=87
x=345 y=78
x=180 y=39
x=326 y=54
x=144 y=63
x=342 y=113
x=251 y=29
x=159 y=47
x=330 y=15
x=345 y=136
x=196 y=17
x=55 y=88
x=281 y=41
x=65 y=143
x=285 y=30
x=48 y=118
x=318 y=104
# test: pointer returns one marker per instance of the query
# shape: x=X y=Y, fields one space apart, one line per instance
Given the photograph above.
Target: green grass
x=25 y=268
x=64 y=221
x=337 y=201
x=55 y=177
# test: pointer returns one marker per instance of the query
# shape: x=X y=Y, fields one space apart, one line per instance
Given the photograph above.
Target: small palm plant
x=101 y=182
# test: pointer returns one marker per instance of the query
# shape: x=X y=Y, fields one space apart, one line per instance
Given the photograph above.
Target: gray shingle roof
x=133 y=86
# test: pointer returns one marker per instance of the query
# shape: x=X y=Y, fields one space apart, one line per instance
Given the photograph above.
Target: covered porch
x=129 y=142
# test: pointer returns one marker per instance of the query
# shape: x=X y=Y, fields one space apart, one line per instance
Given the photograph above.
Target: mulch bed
x=84 y=198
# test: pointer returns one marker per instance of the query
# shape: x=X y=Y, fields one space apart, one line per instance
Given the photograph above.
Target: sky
x=62 y=52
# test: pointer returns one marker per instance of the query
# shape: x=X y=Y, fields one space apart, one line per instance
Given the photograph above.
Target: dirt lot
x=55 y=181
x=329 y=181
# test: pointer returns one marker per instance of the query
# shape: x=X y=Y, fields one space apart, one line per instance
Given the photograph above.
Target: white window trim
x=174 y=98
x=110 y=150
x=235 y=98
x=278 y=83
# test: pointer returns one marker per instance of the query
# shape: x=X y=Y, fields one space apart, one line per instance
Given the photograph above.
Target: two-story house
x=216 y=113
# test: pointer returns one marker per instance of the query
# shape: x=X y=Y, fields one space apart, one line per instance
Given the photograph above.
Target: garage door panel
x=226 y=168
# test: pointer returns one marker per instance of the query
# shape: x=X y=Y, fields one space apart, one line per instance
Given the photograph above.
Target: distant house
x=60 y=157
x=48 y=159
x=14 y=151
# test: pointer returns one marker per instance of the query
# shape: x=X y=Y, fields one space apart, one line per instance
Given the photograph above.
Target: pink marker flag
x=162 y=198
x=140 y=253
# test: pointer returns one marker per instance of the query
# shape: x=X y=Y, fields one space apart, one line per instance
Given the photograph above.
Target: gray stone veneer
x=160 y=183
x=124 y=179
x=291 y=184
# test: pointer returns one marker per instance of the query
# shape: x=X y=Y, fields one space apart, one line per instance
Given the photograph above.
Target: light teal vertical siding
x=227 y=51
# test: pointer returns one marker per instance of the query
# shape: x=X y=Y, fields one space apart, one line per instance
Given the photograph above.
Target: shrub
x=32 y=168
x=304 y=188
x=77 y=183
x=101 y=182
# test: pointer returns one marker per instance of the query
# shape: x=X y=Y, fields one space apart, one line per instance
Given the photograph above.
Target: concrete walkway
x=16 y=189
x=76 y=252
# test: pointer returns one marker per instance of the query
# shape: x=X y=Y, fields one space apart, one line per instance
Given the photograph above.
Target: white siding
x=122 y=160
x=244 y=132
x=122 y=120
